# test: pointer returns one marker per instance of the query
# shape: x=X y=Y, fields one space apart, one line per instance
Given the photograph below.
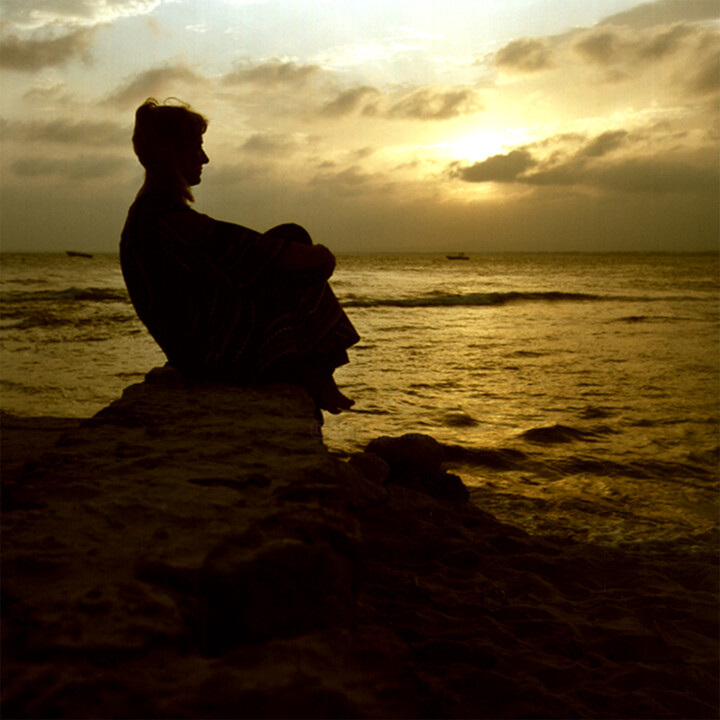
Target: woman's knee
x=291 y=231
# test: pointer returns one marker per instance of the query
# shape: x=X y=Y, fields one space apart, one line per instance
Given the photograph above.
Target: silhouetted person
x=225 y=302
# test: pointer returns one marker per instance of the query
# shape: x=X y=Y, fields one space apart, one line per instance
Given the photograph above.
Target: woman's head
x=168 y=142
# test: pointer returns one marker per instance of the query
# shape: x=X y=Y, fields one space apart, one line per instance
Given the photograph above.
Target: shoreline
x=198 y=552
x=24 y=439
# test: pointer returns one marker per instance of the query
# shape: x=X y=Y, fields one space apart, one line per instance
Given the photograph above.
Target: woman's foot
x=331 y=399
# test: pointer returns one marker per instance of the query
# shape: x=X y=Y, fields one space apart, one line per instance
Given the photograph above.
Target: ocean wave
x=632 y=319
x=69 y=294
x=52 y=320
x=495 y=299
x=563 y=434
x=469 y=299
x=699 y=471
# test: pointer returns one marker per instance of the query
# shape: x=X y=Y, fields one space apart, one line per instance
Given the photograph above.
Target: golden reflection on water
x=621 y=351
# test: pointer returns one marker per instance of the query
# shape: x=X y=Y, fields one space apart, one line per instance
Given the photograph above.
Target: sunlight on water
x=592 y=379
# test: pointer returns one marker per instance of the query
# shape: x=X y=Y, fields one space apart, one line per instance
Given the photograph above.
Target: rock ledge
x=195 y=552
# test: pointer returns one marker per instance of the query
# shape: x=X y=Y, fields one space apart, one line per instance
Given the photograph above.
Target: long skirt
x=304 y=333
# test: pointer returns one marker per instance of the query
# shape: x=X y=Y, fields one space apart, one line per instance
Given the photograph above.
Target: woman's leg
x=315 y=371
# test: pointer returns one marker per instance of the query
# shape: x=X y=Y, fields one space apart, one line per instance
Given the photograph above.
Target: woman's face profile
x=191 y=158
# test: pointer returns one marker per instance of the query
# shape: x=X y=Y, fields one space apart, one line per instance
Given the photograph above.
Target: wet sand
x=196 y=552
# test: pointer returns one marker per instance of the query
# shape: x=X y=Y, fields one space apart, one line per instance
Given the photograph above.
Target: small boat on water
x=76 y=253
x=457 y=256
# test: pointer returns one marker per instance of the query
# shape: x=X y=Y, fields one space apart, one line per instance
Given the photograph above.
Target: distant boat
x=457 y=256
x=75 y=253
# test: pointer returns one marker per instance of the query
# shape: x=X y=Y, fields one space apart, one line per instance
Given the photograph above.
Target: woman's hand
x=307 y=258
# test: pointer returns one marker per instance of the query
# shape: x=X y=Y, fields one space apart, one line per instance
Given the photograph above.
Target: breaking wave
x=69 y=294
x=492 y=299
x=697 y=470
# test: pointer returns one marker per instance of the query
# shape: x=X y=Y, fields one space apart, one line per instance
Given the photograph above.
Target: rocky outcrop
x=417 y=461
x=194 y=551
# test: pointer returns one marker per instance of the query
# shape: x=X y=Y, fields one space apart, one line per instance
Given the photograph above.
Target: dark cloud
x=73 y=13
x=604 y=143
x=436 y=104
x=270 y=144
x=363 y=152
x=352 y=176
x=705 y=78
x=349 y=182
x=158 y=82
x=665 y=12
x=593 y=165
x=67 y=132
x=427 y=103
x=83 y=167
x=601 y=46
x=498 y=168
x=612 y=46
x=271 y=74
x=349 y=101
x=657 y=175
x=621 y=53
x=31 y=54
x=664 y=42
x=525 y=55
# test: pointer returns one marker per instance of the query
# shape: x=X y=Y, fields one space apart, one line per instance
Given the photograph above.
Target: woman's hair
x=160 y=132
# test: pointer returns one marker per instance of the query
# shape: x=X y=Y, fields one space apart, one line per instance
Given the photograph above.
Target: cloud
x=663 y=42
x=426 y=103
x=83 y=167
x=72 y=13
x=66 y=132
x=665 y=12
x=498 y=168
x=690 y=53
x=593 y=165
x=270 y=144
x=435 y=103
x=350 y=182
x=271 y=73
x=606 y=45
x=602 y=46
x=45 y=91
x=704 y=78
x=348 y=101
x=158 y=82
x=32 y=54
x=658 y=175
x=604 y=143
x=525 y=55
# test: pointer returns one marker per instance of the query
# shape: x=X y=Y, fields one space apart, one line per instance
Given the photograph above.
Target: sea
x=577 y=395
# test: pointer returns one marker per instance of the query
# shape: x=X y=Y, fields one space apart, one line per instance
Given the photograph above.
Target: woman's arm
x=297 y=257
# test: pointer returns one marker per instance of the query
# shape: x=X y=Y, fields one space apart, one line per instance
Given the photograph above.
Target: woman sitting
x=225 y=302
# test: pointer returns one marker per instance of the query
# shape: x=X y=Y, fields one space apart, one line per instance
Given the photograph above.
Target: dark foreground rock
x=194 y=551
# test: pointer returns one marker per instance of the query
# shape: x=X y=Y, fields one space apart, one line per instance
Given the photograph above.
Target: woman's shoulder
x=158 y=203
x=167 y=209
x=155 y=218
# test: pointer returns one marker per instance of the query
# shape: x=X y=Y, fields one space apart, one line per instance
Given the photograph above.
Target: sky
x=379 y=125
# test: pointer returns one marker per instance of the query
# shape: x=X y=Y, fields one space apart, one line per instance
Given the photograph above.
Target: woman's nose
x=204 y=158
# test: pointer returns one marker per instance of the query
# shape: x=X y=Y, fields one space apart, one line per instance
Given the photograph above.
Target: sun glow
x=477 y=146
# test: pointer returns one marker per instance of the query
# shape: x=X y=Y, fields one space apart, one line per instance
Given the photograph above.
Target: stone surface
x=414 y=461
x=193 y=551
x=411 y=453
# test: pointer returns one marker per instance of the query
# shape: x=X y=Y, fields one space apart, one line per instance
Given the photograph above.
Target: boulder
x=411 y=453
x=371 y=465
